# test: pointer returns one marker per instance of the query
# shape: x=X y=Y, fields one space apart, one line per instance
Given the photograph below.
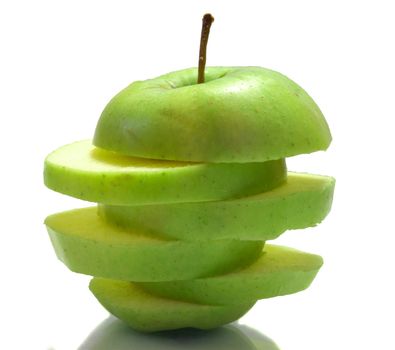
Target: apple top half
x=240 y=114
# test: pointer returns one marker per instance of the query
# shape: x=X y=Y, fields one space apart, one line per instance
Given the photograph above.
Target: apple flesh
x=89 y=245
x=147 y=313
x=89 y=173
x=210 y=302
x=302 y=201
x=279 y=271
x=239 y=115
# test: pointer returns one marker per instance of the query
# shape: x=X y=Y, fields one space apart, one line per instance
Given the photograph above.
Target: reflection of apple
x=303 y=201
x=115 y=335
x=86 y=172
x=240 y=114
x=89 y=245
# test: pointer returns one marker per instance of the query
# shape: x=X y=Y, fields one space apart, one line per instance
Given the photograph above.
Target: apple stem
x=208 y=19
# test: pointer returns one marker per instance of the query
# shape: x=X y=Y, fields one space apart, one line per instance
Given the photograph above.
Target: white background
x=61 y=61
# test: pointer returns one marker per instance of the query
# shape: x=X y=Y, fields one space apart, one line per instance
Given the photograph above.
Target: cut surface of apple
x=240 y=114
x=302 y=201
x=87 y=244
x=145 y=312
x=279 y=271
x=89 y=173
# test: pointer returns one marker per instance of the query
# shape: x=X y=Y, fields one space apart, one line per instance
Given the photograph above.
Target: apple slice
x=240 y=114
x=147 y=313
x=86 y=172
x=89 y=245
x=303 y=201
x=279 y=271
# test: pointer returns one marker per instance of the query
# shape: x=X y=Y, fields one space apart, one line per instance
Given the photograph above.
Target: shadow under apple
x=115 y=335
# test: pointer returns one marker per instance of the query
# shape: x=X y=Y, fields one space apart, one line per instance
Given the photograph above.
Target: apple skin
x=87 y=244
x=279 y=271
x=210 y=302
x=239 y=115
x=147 y=313
x=302 y=201
x=93 y=174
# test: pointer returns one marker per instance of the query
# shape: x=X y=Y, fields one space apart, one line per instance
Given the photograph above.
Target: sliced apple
x=279 y=271
x=89 y=245
x=147 y=313
x=89 y=173
x=303 y=201
x=240 y=114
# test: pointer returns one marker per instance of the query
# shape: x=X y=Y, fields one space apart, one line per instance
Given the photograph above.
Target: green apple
x=240 y=114
x=89 y=245
x=147 y=313
x=303 y=201
x=279 y=271
x=87 y=172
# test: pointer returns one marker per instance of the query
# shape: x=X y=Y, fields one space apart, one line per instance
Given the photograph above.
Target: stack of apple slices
x=191 y=182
